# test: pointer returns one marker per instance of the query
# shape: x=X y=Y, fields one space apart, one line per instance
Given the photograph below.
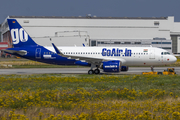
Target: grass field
x=92 y=97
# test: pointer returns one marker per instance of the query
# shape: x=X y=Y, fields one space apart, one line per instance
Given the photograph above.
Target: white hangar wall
x=98 y=31
x=99 y=28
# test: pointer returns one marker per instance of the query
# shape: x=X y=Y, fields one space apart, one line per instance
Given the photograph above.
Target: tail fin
x=19 y=36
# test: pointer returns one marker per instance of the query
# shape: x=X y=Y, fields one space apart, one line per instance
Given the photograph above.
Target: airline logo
x=19 y=35
x=111 y=66
x=116 y=52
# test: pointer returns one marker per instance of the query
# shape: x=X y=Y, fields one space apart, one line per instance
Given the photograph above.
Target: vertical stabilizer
x=19 y=36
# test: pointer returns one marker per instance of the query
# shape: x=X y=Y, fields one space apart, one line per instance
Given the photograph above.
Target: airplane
x=110 y=59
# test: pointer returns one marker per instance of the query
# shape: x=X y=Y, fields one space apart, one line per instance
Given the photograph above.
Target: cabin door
x=152 y=54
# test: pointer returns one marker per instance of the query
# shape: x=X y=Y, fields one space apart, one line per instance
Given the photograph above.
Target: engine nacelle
x=124 y=68
x=112 y=66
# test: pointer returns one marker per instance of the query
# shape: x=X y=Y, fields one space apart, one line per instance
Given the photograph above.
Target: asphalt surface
x=132 y=70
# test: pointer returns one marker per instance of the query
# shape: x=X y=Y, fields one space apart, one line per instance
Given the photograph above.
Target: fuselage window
x=141 y=53
x=161 y=53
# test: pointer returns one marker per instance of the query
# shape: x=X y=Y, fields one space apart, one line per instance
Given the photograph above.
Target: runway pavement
x=132 y=70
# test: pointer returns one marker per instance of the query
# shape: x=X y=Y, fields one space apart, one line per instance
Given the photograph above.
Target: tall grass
x=56 y=96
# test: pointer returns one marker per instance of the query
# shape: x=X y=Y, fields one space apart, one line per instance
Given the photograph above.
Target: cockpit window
x=165 y=53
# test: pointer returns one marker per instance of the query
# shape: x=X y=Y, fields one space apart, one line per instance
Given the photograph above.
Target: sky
x=99 y=8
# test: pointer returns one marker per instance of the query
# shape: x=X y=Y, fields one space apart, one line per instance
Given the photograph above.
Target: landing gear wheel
x=96 y=71
x=90 y=72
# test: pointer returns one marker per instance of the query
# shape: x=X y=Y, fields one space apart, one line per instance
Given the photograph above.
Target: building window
x=161 y=42
x=156 y=42
x=166 y=48
x=157 y=38
x=117 y=42
x=166 y=42
x=127 y=42
x=137 y=42
x=156 y=23
x=93 y=43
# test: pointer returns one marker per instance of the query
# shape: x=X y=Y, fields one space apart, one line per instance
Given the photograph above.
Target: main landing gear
x=96 y=71
x=91 y=71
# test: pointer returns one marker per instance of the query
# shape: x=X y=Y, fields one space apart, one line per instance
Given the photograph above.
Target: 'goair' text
x=19 y=35
x=115 y=52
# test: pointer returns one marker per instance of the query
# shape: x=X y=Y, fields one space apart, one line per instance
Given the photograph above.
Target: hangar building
x=160 y=32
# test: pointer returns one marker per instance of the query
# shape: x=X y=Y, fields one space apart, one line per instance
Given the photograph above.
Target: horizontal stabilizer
x=20 y=52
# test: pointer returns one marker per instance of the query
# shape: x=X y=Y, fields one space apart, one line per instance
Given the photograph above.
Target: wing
x=96 y=60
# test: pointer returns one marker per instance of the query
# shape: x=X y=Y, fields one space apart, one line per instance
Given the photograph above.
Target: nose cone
x=173 y=59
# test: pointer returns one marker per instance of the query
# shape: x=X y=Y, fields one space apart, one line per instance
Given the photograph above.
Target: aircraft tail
x=19 y=36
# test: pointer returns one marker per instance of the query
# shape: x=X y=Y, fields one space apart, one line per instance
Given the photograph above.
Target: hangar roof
x=88 y=17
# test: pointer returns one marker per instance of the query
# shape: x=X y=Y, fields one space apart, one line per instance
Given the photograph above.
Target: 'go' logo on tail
x=19 y=35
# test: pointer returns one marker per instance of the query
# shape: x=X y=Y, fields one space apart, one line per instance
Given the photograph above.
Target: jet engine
x=111 y=66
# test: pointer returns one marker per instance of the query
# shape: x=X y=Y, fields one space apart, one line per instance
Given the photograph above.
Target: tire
x=90 y=72
x=3 y=56
x=96 y=71
x=159 y=73
x=8 y=56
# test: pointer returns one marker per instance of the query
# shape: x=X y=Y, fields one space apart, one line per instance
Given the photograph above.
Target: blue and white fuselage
x=110 y=59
